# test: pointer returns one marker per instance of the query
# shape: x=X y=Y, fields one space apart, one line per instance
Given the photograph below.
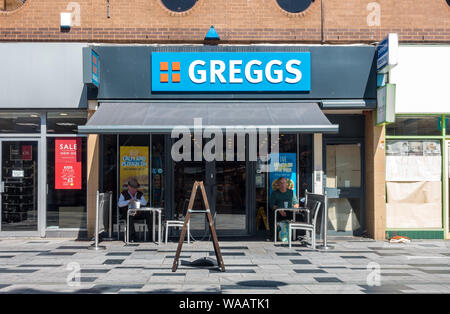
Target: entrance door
x=226 y=187
x=19 y=186
x=344 y=185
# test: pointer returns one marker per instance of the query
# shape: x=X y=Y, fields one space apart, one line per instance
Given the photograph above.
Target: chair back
x=316 y=204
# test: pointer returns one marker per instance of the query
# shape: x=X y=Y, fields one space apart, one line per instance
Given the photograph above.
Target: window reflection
x=20 y=122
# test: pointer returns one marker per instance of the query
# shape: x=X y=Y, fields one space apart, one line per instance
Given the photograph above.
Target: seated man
x=127 y=199
x=278 y=199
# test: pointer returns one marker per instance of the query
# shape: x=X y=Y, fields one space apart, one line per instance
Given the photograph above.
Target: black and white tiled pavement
x=353 y=266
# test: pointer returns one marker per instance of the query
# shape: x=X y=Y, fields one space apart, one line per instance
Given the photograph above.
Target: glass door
x=226 y=187
x=344 y=182
x=19 y=186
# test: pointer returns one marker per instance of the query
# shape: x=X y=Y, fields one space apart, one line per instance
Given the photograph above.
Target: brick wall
x=236 y=21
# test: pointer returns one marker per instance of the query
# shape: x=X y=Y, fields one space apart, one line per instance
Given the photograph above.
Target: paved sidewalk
x=353 y=266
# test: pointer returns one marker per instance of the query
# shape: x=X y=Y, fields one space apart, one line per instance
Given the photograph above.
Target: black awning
x=163 y=117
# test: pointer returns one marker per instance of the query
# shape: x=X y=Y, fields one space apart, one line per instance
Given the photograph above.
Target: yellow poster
x=134 y=163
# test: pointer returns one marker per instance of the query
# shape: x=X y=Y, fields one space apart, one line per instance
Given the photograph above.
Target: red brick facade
x=236 y=21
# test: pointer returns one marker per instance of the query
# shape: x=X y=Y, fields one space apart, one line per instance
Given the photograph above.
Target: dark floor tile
x=239 y=287
x=333 y=267
x=234 y=247
x=6 y=256
x=94 y=271
x=354 y=257
x=40 y=265
x=57 y=253
x=445 y=254
x=18 y=271
x=228 y=253
x=395 y=274
x=113 y=261
x=300 y=261
x=88 y=279
x=261 y=283
x=429 y=245
x=3 y=286
x=118 y=254
x=287 y=254
x=71 y=247
x=309 y=271
x=169 y=274
x=234 y=271
x=129 y=267
x=327 y=279
x=146 y=250
x=38 y=242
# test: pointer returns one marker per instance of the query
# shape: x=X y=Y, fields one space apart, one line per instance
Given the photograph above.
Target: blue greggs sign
x=231 y=71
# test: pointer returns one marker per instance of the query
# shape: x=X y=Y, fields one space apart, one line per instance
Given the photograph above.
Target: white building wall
x=423 y=79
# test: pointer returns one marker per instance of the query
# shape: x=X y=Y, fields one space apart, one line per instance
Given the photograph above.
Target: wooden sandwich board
x=212 y=229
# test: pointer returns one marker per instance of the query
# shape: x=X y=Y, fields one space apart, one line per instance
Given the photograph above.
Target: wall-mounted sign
x=95 y=69
x=18 y=173
x=387 y=53
x=231 y=71
x=68 y=164
x=386 y=104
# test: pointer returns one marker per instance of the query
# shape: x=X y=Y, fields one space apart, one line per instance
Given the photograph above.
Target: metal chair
x=314 y=207
x=179 y=223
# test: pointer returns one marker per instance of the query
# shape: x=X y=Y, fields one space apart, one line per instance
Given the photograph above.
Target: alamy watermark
x=235 y=143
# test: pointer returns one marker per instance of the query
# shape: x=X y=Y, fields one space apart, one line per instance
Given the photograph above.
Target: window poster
x=68 y=174
x=285 y=166
x=134 y=164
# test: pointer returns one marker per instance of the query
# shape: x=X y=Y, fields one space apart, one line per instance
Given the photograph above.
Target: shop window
x=65 y=121
x=66 y=182
x=20 y=122
x=179 y=5
x=11 y=5
x=413 y=184
x=414 y=125
x=294 y=6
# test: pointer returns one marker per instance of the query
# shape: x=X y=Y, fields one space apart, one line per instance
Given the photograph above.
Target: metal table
x=146 y=209
x=293 y=210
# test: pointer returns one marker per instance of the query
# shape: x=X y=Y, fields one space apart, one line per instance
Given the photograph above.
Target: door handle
x=2 y=187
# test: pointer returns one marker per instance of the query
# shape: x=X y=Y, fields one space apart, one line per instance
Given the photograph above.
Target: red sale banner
x=68 y=164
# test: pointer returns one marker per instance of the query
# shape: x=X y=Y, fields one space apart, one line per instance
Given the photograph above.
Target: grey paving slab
x=36 y=266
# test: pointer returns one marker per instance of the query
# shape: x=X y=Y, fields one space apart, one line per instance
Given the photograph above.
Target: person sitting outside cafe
x=129 y=199
x=279 y=199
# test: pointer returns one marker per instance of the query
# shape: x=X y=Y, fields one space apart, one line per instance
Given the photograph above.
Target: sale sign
x=68 y=164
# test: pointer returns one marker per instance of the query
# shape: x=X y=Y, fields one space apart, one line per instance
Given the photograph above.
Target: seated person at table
x=127 y=199
x=277 y=200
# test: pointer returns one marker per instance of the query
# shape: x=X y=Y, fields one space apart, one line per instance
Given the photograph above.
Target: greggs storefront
x=237 y=118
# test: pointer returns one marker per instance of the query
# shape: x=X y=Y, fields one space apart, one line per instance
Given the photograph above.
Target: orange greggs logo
x=164 y=69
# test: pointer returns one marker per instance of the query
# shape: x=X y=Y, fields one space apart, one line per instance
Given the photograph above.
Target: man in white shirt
x=127 y=199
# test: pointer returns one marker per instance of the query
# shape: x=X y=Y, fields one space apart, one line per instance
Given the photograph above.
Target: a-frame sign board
x=212 y=229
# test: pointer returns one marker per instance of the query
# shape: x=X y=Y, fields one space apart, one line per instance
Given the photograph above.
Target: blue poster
x=285 y=166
